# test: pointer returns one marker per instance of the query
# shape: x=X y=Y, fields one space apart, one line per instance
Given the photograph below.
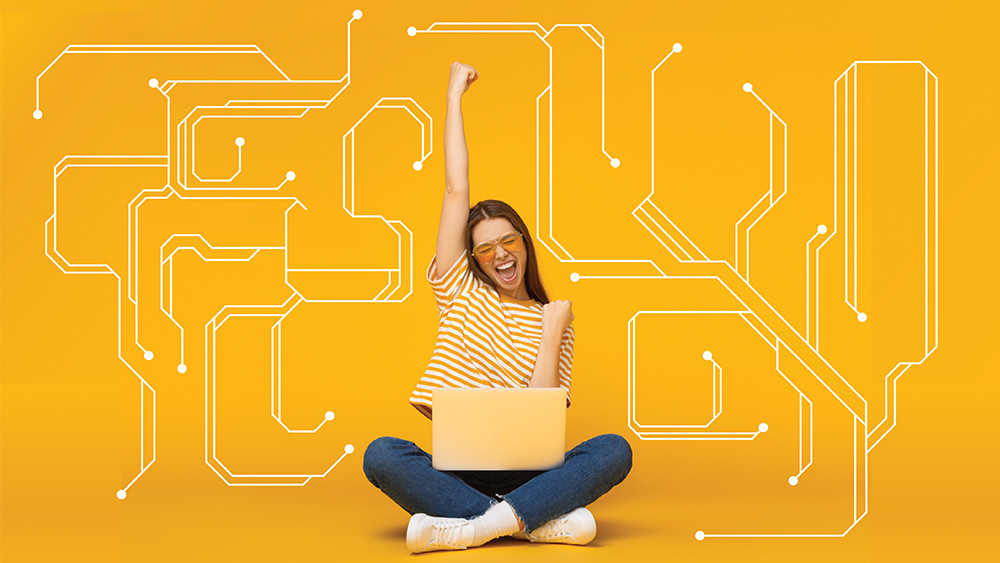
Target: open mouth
x=507 y=272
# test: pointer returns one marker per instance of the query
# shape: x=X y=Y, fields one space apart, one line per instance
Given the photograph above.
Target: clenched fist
x=557 y=316
x=462 y=76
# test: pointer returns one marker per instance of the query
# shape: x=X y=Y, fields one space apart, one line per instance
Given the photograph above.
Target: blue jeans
x=403 y=471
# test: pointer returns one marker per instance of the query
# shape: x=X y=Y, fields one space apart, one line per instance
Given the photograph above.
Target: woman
x=497 y=328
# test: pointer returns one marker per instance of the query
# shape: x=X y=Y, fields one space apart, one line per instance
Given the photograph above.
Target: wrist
x=454 y=99
x=552 y=332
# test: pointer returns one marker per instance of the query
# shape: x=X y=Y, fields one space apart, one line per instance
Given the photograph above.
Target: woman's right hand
x=462 y=76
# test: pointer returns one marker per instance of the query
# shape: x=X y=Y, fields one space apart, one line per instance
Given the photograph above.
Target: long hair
x=488 y=209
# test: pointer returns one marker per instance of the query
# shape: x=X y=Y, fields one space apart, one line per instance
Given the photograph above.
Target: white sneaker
x=576 y=527
x=429 y=533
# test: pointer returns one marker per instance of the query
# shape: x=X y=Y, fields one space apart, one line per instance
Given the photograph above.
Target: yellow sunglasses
x=486 y=251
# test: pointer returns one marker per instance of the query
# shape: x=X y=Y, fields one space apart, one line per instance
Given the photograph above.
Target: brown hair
x=488 y=209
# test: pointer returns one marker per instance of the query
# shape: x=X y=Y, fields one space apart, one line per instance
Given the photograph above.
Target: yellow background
x=70 y=420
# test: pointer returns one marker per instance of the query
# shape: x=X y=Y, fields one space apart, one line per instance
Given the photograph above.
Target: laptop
x=498 y=429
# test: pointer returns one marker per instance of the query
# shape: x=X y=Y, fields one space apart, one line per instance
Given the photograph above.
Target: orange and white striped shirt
x=484 y=339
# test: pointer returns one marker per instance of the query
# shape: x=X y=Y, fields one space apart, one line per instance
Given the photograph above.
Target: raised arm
x=556 y=318
x=455 y=208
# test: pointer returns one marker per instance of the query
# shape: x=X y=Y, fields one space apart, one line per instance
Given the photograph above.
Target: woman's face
x=507 y=266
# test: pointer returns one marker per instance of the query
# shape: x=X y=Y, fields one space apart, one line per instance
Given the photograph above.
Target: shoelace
x=447 y=533
x=560 y=530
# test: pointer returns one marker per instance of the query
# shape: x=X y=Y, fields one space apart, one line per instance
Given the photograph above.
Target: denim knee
x=618 y=453
x=378 y=453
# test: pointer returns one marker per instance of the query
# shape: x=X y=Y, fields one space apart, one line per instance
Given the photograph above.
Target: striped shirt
x=484 y=339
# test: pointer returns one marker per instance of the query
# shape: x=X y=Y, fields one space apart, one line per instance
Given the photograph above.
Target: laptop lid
x=498 y=429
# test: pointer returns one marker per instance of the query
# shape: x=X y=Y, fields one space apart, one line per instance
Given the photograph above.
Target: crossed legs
x=403 y=471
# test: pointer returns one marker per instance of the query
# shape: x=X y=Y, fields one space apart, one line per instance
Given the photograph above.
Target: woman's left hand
x=557 y=316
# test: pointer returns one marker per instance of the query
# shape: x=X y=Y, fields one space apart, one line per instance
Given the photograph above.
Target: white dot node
x=290 y=175
x=121 y=494
x=793 y=480
x=153 y=83
x=349 y=449
x=821 y=229
x=747 y=87
x=418 y=165
x=37 y=114
x=862 y=317
x=699 y=535
x=328 y=415
x=411 y=31
x=182 y=368
x=677 y=47
x=574 y=277
x=357 y=14
x=148 y=354
x=615 y=163
x=240 y=141
x=707 y=355
x=762 y=427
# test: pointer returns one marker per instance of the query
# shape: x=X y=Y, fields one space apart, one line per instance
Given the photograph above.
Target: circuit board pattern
x=146 y=280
